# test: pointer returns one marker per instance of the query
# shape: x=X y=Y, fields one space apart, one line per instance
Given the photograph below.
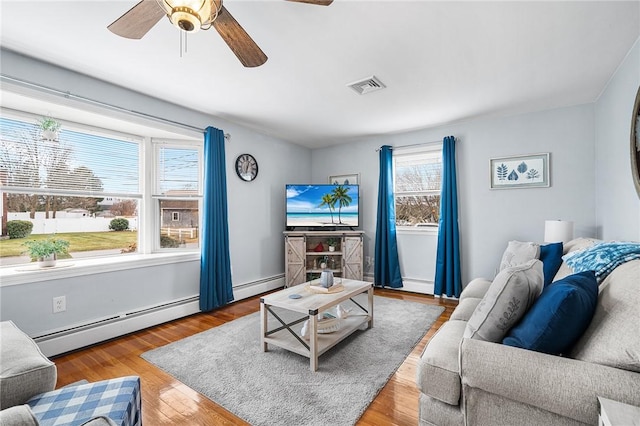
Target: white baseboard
x=74 y=337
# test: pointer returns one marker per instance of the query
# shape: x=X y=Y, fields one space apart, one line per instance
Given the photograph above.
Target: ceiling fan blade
x=316 y=2
x=242 y=45
x=138 y=20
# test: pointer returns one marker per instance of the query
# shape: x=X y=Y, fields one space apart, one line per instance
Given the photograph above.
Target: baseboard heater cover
x=56 y=342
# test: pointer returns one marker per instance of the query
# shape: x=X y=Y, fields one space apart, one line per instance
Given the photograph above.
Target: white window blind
x=178 y=171
x=78 y=163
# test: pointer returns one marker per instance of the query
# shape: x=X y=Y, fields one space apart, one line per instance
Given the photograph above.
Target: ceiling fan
x=191 y=16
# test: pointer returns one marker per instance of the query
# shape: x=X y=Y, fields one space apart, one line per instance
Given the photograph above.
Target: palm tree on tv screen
x=340 y=195
x=328 y=200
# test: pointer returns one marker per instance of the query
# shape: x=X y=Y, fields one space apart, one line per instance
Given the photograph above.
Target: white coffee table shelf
x=310 y=305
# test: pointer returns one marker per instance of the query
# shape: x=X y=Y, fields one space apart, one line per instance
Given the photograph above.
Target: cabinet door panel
x=295 y=261
x=352 y=257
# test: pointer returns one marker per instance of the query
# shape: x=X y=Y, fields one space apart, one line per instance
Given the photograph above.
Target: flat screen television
x=322 y=205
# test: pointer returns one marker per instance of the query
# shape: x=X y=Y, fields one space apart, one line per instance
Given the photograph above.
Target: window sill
x=28 y=273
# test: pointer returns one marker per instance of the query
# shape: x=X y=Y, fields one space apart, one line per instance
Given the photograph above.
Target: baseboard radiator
x=56 y=342
x=414 y=285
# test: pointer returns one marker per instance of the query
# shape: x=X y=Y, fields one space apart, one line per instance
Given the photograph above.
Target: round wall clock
x=246 y=167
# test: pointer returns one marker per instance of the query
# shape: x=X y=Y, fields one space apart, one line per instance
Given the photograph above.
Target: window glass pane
x=178 y=171
x=418 y=172
x=179 y=223
x=417 y=181
x=74 y=163
x=415 y=210
x=93 y=226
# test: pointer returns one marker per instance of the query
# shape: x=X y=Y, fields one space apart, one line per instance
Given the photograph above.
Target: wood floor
x=166 y=401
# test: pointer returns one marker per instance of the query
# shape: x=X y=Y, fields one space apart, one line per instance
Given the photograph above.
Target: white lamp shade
x=556 y=231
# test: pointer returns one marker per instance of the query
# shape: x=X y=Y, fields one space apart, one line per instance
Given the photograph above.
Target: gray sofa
x=466 y=381
x=28 y=396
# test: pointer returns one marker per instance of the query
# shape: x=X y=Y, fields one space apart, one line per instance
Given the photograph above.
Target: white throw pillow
x=510 y=295
x=519 y=252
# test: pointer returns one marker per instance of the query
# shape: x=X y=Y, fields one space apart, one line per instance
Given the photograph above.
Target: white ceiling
x=442 y=62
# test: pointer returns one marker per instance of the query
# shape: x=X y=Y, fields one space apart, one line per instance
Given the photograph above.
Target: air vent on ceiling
x=369 y=84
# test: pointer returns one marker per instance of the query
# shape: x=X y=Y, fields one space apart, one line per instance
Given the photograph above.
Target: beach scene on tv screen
x=322 y=205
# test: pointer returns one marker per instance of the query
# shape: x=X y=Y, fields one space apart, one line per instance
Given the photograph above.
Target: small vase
x=326 y=278
x=48 y=261
x=332 y=248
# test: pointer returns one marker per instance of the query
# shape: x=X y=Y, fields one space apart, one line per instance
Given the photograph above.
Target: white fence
x=61 y=225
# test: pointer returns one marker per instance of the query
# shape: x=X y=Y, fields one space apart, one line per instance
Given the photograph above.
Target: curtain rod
x=69 y=95
x=413 y=145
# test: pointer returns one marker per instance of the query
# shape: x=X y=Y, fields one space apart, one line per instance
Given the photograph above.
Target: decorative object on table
x=348 y=179
x=318 y=248
x=295 y=296
x=556 y=231
x=46 y=251
x=337 y=287
x=341 y=312
x=332 y=243
x=49 y=128
x=246 y=167
x=326 y=278
x=635 y=143
x=524 y=171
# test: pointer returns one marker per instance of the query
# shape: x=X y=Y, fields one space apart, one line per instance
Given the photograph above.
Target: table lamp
x=556 y=231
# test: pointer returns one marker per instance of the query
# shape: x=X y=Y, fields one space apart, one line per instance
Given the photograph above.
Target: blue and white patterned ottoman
x=118 y=399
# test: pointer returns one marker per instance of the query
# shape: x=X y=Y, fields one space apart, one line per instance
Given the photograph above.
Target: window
x=178 y=193
x=417 y=181
x=75 y=184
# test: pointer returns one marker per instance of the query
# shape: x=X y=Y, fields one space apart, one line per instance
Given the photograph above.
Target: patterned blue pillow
x=551 y=257
x=602 y=258
x=558 y=317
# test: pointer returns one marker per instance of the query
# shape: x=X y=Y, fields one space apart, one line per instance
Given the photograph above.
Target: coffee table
x=311 y=304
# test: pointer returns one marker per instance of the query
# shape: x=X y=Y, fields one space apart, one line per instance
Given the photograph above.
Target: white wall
x=488 y=218
x=617 y=203
x=256 y=215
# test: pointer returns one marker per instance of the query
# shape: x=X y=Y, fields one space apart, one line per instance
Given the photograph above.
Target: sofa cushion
x=24 y=370
x=551 y=258
x=612 y=337
x=18 y=415
x=465 y=308
x=519 y=252
x=476 y=288
x=438 y=368
x=558 y=317
x=510 y=295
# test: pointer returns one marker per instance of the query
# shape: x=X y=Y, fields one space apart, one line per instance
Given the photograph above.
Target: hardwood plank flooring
x=166 y=401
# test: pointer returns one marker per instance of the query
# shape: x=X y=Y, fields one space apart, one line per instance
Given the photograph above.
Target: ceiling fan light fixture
x=192 y=15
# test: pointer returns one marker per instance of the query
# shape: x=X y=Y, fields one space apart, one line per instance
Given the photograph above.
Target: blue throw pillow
x=558 y=317
x=551 y=257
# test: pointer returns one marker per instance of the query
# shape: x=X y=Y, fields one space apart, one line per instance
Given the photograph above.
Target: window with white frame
x=417 y=182
x=178 y=193
x=75 y=184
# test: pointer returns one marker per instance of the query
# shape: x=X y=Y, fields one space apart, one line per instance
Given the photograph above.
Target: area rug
x=277 y=387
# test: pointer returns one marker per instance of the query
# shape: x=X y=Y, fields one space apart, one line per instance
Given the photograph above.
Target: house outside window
x=76 y=185
x=417 y=184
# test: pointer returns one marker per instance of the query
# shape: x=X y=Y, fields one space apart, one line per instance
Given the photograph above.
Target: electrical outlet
x=59 y=304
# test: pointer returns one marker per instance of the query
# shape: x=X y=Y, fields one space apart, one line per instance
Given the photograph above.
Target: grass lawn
x=79 y=241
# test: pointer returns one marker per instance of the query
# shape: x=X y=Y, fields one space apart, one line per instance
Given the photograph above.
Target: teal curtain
x=215 y=265
x=448 y=256
x=386 y=263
